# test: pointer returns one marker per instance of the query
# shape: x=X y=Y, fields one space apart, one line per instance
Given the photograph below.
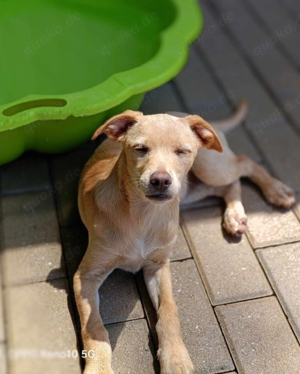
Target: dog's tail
x=233 y=121
x=229 y=123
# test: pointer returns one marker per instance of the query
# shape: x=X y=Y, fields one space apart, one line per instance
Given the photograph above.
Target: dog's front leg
x=87 y=282
x=173 y=355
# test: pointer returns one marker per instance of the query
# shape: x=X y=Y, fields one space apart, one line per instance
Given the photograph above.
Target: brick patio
x=238 y=300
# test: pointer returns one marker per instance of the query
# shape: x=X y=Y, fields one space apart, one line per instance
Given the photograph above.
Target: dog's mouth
x=159 y=197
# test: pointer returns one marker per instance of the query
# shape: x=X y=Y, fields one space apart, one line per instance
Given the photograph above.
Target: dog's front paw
x=175 y=360
x=235 y=222
x=279 y=194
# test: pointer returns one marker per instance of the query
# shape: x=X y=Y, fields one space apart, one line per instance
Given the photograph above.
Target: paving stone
x=38 y=325
x=31 y=242
x=66 y=170
x=276 y=71
x=200 y=330
x=161 y=100
x=268 y=225
x=2 y=331
x=259 y=337
x=3 y=367
x=28 y=173
x=199 y=91
x=265 y=120
x=180 y=249
x=132 y=348
x=119 y=298
x=291 y=5
x=228 y=266
x=278 y=25
x=282 y=265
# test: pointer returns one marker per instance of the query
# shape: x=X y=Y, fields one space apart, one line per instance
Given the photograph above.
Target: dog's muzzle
x=159 y=184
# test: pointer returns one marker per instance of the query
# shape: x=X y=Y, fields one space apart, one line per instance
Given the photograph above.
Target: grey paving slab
x=199 y=91
x=65 y=170
x=2 y=331
x=279 y=26
x=74 y=242
x=200 y=330
x=3 y=360
x=275 y=69
x=291 y=5
x=228 y=266
x=265 y=120
x=40 y=331
x=161 y=100
x=202 y=96
x=259 y=337
x=180 y=249
x=132 y=348
x=28 y=173
x=268 y=225
x=119 y=298
x=31 y=244
x=282 y=266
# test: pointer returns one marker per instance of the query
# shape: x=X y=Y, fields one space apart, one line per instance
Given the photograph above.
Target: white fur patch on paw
x=235 y=222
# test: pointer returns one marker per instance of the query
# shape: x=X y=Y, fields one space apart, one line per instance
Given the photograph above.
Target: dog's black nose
x=161 y=180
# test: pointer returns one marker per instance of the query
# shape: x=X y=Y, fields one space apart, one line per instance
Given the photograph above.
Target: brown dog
x=129 y=198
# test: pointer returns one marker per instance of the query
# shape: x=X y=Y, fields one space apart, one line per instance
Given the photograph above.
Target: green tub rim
x=162 y=67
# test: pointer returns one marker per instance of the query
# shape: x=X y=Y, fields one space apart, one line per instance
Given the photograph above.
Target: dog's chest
x=142 y=245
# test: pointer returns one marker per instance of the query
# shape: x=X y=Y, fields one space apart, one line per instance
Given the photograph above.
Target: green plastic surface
x=67 y=65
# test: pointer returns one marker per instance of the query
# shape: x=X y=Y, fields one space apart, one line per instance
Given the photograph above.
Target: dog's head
x=160 y=149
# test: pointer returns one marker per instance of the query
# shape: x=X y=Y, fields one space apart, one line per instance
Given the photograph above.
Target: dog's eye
x=182 y=151
x=141 y=149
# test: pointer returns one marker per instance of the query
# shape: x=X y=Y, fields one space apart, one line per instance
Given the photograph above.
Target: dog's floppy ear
x=206 y=134
x=116 y=127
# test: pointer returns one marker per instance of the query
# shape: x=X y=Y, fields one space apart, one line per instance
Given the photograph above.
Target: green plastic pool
x=67 y=65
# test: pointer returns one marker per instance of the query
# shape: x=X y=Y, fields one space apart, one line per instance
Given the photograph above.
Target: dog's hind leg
x=276 y=192
x=172 y=354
